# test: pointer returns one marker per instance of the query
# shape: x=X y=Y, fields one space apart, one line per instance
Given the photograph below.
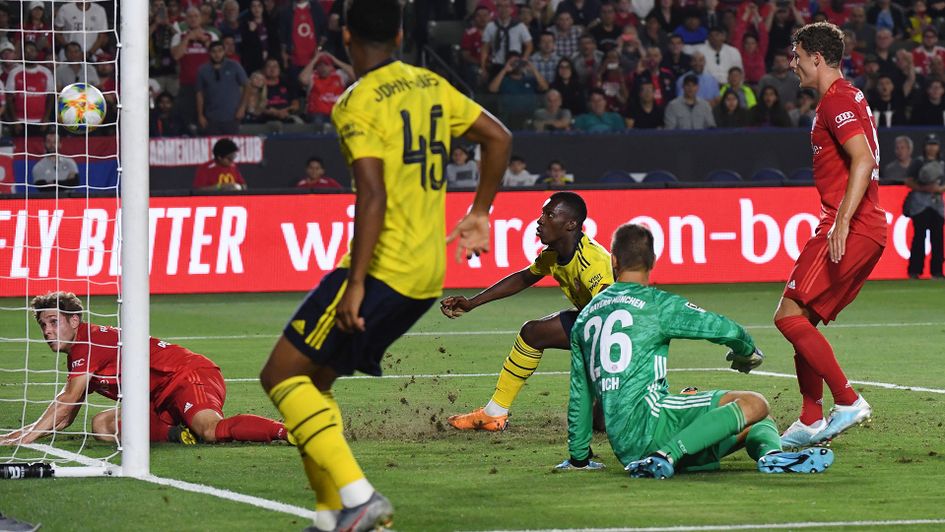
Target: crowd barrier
x=246 y=243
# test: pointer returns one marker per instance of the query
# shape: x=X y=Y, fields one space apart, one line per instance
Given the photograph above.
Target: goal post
x=133 y=178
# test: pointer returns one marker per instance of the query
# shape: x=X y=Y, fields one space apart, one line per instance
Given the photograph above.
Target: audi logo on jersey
x=844 y=117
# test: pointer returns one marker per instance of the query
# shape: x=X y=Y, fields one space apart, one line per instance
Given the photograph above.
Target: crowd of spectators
x=695 y=64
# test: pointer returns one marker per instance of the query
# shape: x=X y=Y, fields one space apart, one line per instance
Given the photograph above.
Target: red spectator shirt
x=35 y=34
x=304 y=41
x=196 y=55
x=213 y=175
x=95 y=353
x=842 y=114
x=30 y=87
x=922 y=58
x=323 y=182
x=324 y=92
x=472 y=42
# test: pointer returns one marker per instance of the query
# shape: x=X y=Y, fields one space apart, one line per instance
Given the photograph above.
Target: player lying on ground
x=582 y=268
x=187 y=389
x=619 y=350
x=848 y=241
x=394 y=125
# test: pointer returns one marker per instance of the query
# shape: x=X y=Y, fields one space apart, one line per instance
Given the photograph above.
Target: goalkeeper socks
x=316 y=427
x=247 y=427
x=706 y=430
x=811 y=344
x=519 y=365
x=812 y=391
x=762 y=438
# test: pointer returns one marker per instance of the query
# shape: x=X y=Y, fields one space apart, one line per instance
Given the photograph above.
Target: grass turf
x=440 y=479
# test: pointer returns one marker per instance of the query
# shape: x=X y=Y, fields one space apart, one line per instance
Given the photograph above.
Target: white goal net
x=61 y=229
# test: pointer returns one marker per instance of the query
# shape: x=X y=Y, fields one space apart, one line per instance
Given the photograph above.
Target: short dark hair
x=515 y=158
x=574 y=203
x=632 y=246
x=823 y=38
x=314 y=159
x=690 y=79
x=596 y=90
x=224 y=147
x=215 y=44
x=376 y=21
x=65 y=302
x=164 y=95
x=735 y=68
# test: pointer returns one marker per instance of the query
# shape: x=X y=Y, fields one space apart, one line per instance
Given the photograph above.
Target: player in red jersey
x=186 y=388
x=847 y=243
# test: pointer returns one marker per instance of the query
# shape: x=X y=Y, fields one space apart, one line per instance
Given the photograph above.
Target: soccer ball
x=81 y=107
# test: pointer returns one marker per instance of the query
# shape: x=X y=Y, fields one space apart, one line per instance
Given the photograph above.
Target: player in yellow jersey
x=582 y=268
x=394 y=125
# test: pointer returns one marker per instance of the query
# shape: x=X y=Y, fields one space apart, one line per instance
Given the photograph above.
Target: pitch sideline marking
x=768 y=526
x=251 y=500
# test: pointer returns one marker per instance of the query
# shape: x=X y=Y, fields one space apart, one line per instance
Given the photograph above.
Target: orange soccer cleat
x=479 y=420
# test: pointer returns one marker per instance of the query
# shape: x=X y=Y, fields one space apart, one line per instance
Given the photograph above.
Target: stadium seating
x=616 y=176
x=723 y=176
x=768 y=174
x=802 y=174
x=660 y=176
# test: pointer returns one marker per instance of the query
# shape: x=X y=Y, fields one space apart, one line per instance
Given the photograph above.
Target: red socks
x=247 y=427
x=815 y=360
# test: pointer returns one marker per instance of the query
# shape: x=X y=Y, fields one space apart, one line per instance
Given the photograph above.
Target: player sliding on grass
x=619 y=349
x=187 y=389
x=582 y=268
x=394 y=125
x=848 y=242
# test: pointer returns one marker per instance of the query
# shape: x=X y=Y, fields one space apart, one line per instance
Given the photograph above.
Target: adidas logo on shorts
x=791 y=284
x=187 y=406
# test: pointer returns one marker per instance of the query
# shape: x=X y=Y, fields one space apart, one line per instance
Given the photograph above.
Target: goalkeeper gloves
x=572 y=464
x=745 y=364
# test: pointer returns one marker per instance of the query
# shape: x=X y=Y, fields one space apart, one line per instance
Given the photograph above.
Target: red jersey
x=304 y=42
x=41 y=35
x=923 y=58
x=211 y=174
x=324 y=93
x=196 y=55
x=842 y=114
x=31 y=88
x=95 y=353
x=323 y=182
x=472 y=42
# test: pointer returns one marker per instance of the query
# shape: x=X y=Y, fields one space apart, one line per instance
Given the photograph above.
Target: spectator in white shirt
x=517 y=175
x=719 y=57
x=55 y=169
x=82 y=22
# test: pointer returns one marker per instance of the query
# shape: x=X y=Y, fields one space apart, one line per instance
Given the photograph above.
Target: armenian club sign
x=187 y=151
x=274 y=243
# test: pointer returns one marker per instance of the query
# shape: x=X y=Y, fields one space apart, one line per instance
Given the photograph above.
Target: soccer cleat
x=843 y=417
x=814 y=460
x=479 y=420
x=568 y=466
x=799 y=435
x=375 y=514
x=181 y=435
x=653 y=466
x=9 y=524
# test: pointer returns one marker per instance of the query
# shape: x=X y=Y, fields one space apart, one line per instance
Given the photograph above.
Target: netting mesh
x=59 y=217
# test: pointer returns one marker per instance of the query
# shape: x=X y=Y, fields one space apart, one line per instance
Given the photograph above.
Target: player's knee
x=103 y=427
x=530 y=332
x=754 y=405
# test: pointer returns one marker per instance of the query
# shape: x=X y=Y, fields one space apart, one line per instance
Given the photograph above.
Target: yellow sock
x=519 y=365
x=327 y=496
x=317 y=427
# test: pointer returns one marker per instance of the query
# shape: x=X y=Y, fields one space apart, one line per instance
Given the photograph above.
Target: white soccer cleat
x=799 y=435
x=843 y=417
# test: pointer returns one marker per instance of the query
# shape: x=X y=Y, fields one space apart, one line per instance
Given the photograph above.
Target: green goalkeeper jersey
x=619 y=346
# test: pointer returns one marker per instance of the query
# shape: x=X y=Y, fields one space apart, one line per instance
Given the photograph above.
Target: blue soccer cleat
x=568 y=466
x=799 y=435
x=843 y=417
x=814 y=460
x=653 y=466
x=376 y=513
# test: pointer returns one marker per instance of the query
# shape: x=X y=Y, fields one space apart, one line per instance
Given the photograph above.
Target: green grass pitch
x=440 y=479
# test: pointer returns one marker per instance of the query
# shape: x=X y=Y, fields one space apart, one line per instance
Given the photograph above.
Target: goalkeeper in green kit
x=619 y=348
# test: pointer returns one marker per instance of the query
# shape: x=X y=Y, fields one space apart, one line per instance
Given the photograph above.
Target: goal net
x=62 y=199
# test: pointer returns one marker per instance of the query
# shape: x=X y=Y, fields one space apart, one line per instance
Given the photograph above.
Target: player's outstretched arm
x=496 y=144
x=58 y=415
x=684 y=320
x=862 y=163
x=456 y=306
x=369 y=208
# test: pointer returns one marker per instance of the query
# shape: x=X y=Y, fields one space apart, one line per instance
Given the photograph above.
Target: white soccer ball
x=81 y=107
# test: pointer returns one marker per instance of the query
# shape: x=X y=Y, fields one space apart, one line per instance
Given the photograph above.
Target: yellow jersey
x=406 y=116
x=588 y=272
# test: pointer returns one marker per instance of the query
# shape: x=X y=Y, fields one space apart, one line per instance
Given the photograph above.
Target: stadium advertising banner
x=244 y=243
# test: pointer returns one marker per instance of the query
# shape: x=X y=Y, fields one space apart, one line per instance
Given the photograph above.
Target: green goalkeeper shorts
x=678 y=411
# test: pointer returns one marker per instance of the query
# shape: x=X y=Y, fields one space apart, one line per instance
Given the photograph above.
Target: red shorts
x=826 y=287
x=199 y=389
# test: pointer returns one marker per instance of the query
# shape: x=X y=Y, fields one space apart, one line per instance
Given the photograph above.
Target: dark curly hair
x=823 y=38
